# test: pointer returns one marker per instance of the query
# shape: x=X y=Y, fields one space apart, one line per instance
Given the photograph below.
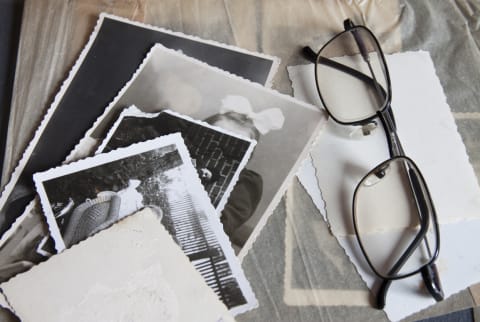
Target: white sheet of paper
x=429 y=135
x=132 y=271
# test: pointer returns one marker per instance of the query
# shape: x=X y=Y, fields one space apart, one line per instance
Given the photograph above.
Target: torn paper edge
x=307 y=297
x=309 y=181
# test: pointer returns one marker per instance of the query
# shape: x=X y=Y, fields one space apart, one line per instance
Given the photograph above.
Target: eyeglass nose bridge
x=369 y=127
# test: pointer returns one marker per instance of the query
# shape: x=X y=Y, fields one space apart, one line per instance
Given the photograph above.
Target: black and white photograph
x=115 y=49
x=283 y=127
x=84 y=197
x=218 y=155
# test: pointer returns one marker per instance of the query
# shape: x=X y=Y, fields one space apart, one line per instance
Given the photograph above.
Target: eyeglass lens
x=351 y=76
x=393 y=219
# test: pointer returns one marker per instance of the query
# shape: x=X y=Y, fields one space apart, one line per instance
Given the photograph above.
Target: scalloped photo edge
x=18 y=170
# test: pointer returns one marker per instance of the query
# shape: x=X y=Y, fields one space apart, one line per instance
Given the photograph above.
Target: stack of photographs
x=113 y=53
x=81 y=198
x=218 y=155
x=210 y=152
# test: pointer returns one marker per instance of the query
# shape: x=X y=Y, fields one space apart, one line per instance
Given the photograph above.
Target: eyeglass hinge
x=348 y=24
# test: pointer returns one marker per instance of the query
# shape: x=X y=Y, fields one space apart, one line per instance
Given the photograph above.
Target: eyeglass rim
x=382 y=56
x=433 y=217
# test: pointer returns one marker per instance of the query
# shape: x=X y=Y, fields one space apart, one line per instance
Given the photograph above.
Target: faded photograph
x=87 y=201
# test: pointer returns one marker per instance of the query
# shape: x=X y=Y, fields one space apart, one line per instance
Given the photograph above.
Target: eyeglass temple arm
x=429 y=272
x=382 y=292
x=348 y=25
x=432 y=281
x=388 y=121
x=311 y=55
x=430 y=277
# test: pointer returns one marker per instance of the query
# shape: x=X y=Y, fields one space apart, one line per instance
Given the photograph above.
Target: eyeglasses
x=393 y=213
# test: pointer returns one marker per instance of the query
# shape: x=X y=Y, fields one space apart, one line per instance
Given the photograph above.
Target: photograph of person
x=284 y=127
x=236 y=115
x=218 y=155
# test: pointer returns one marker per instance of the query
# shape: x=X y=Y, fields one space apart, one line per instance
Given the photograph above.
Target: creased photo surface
x=85 y=197
x=283 y=127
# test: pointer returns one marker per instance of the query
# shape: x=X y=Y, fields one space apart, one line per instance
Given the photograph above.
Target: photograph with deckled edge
x=82 y=198
x=283 y=127
x=144 y=276
x=218 y=155
x=94 y=64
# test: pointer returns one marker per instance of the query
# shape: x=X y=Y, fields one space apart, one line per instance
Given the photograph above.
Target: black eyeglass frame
x=428 y=270
x=420 y=235
x=353 y=72
x=385 y=114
